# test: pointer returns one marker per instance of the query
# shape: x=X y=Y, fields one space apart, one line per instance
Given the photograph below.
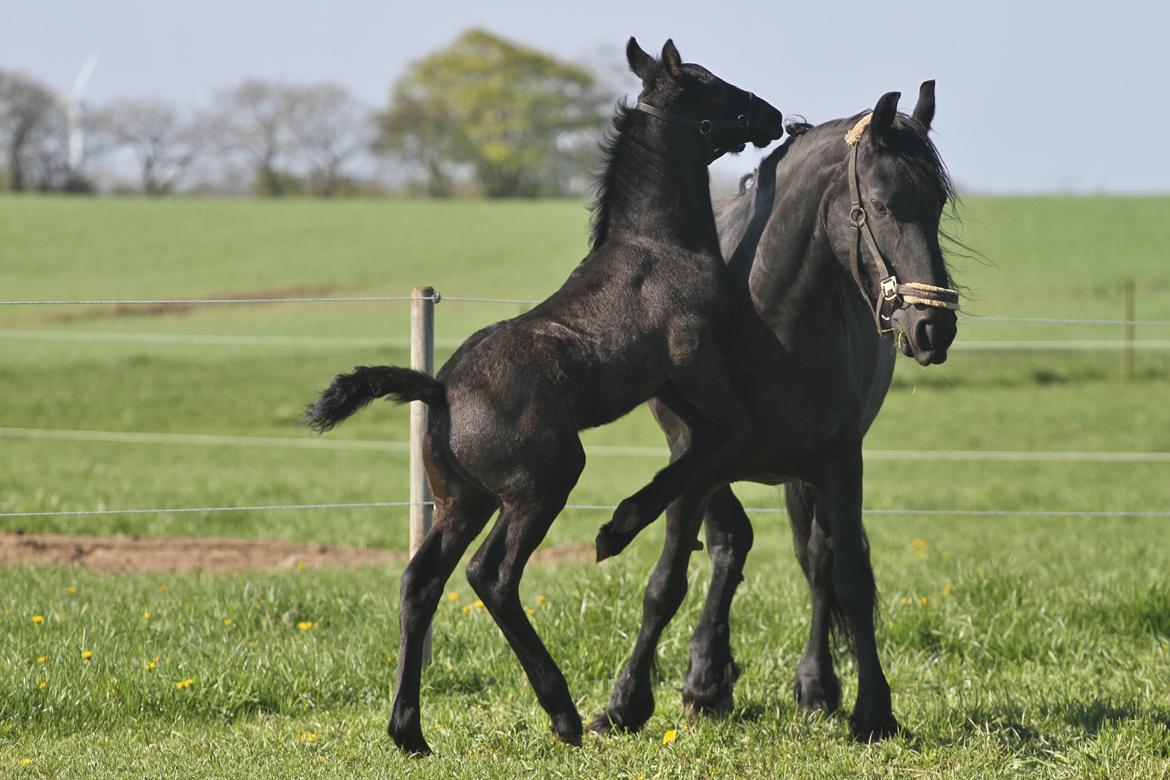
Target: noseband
x=706 y=127
x=893 y=294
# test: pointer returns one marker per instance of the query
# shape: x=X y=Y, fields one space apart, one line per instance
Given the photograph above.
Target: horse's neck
x=657 y=187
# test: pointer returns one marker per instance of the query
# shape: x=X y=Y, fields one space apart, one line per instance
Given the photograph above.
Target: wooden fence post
x=422 y=358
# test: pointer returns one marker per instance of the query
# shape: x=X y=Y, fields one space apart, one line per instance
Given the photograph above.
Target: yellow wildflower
x=302 y=565
x=43 y=684
x=477 y=605
x=541 y=600
x=670 y=736
x=307 y=736
x=452 y=596
x=905 y=600
x=389 y=659
x=152 y=664
x=25 y=761
x=947 y=588
x=228 y=621
x=306 y=625
x=38 y=619
x=183 y=685
x=922 y=602
x=146 y=615
x=531 y=612
x=86 y=655
x=71 y=590
x=164 y=588
x=42 y=659
x=918 y=545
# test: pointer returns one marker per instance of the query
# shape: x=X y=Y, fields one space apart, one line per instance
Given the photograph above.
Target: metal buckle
x=889 y=288
x=857 y=216
x=705 y=127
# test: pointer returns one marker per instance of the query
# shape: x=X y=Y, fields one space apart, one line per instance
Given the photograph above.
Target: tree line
x=482 y=115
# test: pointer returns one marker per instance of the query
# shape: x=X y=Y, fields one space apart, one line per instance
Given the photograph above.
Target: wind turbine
x=75 y=115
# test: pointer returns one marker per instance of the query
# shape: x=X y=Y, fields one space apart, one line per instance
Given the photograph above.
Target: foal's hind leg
x=632 y=703
x=817 y=688
x=713 y=672
x=459 y=519
x=495 y=571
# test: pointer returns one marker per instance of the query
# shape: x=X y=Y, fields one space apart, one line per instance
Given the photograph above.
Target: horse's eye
x=879 y=207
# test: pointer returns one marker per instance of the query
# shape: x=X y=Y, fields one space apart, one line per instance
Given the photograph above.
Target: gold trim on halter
x=854 y=135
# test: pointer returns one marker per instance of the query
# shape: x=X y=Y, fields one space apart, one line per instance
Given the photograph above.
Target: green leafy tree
x=520 y=121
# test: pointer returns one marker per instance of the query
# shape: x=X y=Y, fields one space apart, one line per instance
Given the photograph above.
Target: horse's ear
x=883 y=114
x=924 y=108
x=671 y=58
x=641 y=63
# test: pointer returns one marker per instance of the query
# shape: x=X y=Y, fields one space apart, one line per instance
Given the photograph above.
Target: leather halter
x=706 y=127
x=892 y=294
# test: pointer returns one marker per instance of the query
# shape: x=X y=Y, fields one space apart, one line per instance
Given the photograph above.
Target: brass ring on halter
x=857 y=216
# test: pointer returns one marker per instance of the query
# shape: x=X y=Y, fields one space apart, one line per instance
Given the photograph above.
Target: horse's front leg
x=853 y=585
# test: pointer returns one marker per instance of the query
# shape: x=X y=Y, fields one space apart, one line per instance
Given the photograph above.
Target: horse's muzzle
x=929 y=332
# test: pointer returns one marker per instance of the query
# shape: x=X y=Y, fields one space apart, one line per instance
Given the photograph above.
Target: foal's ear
x=641 y=63
x=924 y=108
x=883 y=114
x=671 y=58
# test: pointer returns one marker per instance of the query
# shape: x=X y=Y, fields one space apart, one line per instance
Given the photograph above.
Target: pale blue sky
x=1032 y=96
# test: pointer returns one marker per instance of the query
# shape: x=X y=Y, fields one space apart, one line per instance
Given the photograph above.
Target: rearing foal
x=644 y=315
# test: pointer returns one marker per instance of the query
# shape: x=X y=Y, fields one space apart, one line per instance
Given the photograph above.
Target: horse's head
x=883 y=221
x=723 y=117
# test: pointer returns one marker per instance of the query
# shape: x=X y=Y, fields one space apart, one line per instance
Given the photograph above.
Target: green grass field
x=1035 y=646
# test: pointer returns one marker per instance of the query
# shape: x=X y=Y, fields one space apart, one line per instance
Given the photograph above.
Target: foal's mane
x=611 y=145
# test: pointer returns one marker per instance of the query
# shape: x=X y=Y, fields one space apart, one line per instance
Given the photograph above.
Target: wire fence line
x=437 y=298
x=877 y=512
x=244 y=340
x=595 y=450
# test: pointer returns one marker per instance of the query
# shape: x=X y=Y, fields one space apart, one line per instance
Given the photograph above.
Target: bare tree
x=254 y=120
x=33 y=133
x=164 y=144
x=330 y=126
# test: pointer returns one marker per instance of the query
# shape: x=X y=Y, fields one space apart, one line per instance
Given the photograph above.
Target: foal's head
x=722 y=117
x=902 y=188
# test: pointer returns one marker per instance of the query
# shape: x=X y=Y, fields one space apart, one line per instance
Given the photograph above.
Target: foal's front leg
x=853 y=584
x=719 y=425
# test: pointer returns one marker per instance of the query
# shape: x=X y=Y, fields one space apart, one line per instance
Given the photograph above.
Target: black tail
x=351 y=392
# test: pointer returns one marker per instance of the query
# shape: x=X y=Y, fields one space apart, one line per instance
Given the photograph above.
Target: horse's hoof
x=602 y=725
x=711 y=694
x=873 y=729
x=817 y=696
x=409 y=739
x=568 y=728
x=708 y=706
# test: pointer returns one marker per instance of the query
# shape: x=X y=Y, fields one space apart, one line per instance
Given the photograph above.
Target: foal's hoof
x=568 y=728
x=409 y=739
x=609 y=542
x=627 y=517
x=602 y=725
x=873 y=729
x=710 y=705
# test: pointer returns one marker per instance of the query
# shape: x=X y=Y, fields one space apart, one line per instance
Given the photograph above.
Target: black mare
x=645 y=314
x=812 y=370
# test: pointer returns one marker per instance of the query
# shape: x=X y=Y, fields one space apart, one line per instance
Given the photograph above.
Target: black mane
x=611 y=145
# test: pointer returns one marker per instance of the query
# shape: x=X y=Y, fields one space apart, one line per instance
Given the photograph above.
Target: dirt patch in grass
x=123 y=554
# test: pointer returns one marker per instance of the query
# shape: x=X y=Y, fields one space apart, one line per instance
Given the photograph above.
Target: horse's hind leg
x=461 y=512
x=713 y=672
x=632 y=702
x=495 y=571
x=817 y=688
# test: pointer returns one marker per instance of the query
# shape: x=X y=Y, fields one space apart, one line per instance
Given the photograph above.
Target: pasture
x=1031 y=644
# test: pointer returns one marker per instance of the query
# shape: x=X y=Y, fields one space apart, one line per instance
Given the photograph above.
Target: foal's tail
x=352 y=392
